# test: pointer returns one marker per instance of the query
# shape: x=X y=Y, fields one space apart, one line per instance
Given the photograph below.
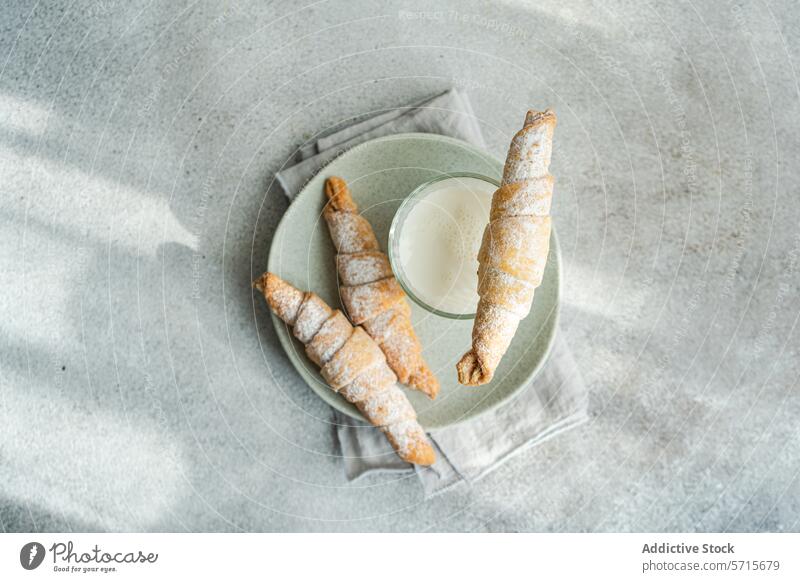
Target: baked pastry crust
x=352 y=364
x=514 y=248
x=371 y=295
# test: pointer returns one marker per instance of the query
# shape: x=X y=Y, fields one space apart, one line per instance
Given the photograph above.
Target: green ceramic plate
x=381 y=173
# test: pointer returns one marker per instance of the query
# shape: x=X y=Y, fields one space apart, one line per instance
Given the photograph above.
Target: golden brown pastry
x=352 y=364
x=371 y=295
x=514 y=248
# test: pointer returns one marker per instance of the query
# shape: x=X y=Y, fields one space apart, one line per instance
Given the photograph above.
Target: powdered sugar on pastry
x=514 y=249
x=329 y=339
x=286 y=301
x=367 y=301
x=353 y=365
x=388 y=408
x=364 y=267
x=353 y=233
x=372 y=380
x=371 y=295
x=310 y=317
x=405 y=437
x=357 y=354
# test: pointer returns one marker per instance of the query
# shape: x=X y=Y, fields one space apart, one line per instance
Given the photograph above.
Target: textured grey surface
x=143 y=388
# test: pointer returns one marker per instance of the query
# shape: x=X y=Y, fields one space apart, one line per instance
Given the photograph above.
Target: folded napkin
x=554 y=402
x=447 y=114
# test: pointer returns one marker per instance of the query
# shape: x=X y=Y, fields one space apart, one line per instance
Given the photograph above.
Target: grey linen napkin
x=554 y=402
x=447 y=114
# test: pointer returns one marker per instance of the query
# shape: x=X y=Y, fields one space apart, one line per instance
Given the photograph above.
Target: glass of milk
x=434 y=242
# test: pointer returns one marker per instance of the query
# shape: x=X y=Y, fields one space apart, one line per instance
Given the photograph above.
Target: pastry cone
x=514 y=248
x=352 y=364
x=371 y=295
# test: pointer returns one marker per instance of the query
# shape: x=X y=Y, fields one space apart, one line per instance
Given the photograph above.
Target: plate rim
x=286 y=337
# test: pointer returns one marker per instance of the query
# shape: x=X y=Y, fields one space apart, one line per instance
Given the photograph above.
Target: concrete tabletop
x=143 y=386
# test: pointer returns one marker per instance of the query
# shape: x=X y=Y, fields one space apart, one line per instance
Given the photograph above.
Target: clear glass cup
x=395 y=235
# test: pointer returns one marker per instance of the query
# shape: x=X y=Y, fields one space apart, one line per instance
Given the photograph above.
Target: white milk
x=439 y=243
